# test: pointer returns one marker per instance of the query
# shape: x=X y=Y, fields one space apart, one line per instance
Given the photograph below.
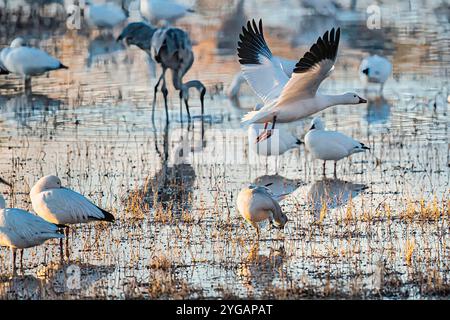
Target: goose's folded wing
x=72 y=204
x=312 y=68
x=263 y=72
x=28 y=226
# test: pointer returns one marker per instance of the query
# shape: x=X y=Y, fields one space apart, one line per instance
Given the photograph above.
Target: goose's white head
x=317 y=124
x=46 y=183
x=352 y=98
x=18 y=42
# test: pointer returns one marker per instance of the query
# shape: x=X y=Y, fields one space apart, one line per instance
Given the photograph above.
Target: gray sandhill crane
x=171 y=48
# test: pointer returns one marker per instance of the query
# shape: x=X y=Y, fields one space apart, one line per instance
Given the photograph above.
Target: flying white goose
x=26 y=61
x=277 y=144
x=287 y=65
x=62 y=206
x=375 y=69
x=330 y=145
x=285 y=99
x=257 y=203
x=106 y=15
x=167 y=10
x=21 y=229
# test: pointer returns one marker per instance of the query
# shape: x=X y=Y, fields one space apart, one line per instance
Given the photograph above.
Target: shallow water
x=379 y=231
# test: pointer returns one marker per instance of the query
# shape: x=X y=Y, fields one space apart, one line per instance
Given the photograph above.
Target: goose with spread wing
x=288 y=99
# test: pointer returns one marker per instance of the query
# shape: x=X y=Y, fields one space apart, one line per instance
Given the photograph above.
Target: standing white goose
x=27 y=62
x=275 y=145
x=166 y=10
x=256 y=204
x=62 y=206
x=106 y=15
x=330 y=145
x=285 y=99
x=20 y=229
x=375 y=69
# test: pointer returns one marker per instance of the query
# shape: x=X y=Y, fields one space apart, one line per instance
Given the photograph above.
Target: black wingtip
x=108 y=216
x=326 y=47
x=61 y=66
x=3 y=71
x=251 y=43
x=363 y=146
x=299 y=142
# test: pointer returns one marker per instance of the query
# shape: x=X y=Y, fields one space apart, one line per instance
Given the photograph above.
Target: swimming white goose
x=330 y=145
x=375 y=69
x=280 y=142
x=285 y=99
x=256 y=204
x=20 y=229
x=62 y=206
x=167 y=10
x=27 y=62
x=105 y=15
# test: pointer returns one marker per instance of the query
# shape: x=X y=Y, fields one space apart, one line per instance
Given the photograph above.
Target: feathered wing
x=263 y=72
x=28 y=226
x=73 y=207
x=312 y=68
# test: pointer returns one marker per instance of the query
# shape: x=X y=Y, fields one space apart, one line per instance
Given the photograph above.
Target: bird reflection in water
x=333 y=193
x=55 y=281
x=257 y=271
x=172 y=185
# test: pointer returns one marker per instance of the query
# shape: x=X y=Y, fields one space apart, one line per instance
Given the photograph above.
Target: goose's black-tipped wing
x=252 y=44
x=312 y=68
x=261 y=69
x=325 y=48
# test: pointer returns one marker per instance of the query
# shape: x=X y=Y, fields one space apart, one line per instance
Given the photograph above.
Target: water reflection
x=278 y=185
x=55 y=281
x=333 y=193
x=378 y=111
x=25 y=107
x=258 y=271
x=172 y=185
x=103 y=49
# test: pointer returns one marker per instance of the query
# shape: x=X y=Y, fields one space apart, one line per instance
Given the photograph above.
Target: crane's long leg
x=165 y=94
x=267 y=133
x=154 y=93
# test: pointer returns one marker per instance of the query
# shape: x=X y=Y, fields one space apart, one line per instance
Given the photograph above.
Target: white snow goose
x=20 y=229
x=257 y=204
x=62 y=206
x=285 y=99
x=330 y=145
x=26 y=61
x=375 y=69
